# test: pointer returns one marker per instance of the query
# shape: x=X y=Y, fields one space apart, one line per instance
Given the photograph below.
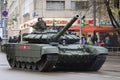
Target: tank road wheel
x=9 y=60
x=47 y=62
x=8 y=57
x=28 y=66
x=40 y=66
x=33 y=66
x=23 y=65
x=12 y=63
x=18 y=65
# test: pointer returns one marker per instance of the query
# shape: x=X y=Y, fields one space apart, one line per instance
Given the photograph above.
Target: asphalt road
x=109 y=71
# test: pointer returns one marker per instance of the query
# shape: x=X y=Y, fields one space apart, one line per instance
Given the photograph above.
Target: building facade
x=24 y=13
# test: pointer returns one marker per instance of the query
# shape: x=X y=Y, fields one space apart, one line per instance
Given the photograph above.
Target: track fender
x=98 y=50
x=49 y=50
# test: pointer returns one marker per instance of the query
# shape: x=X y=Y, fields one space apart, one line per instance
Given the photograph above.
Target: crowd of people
x=14 y=39
x=90 y=40
x=107 y=40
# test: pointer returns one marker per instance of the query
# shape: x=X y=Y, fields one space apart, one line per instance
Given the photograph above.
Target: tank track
x=62 y=62
x=97 y=63
x=46 y=64
x=81 y=63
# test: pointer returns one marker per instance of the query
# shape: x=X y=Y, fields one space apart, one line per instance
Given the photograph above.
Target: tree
x=112 y=18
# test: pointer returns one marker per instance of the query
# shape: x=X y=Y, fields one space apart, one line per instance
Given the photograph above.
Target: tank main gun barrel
x=68 y=25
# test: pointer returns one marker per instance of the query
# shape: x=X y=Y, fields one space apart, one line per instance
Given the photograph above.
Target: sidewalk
x=114 y=57
x=3 y=59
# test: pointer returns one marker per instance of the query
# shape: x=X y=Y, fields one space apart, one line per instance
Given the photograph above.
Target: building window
x=55 y=5
x=26 y=6
x=77 y=5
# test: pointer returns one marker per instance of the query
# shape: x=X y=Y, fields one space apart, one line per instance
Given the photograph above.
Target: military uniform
x=40 y=25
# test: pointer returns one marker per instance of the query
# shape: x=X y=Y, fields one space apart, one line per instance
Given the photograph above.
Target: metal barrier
x=114 y=51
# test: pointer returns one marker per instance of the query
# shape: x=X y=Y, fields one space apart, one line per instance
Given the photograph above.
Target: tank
x=48 y=50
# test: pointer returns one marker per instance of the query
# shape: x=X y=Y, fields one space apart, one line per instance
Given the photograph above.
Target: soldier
x=19 y=37
x=0 y=41
x=40 y=25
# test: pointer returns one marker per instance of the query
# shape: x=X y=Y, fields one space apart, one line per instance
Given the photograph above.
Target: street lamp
x=80 y=34
x=5 y=13
x=82 y=25
x=1 y=20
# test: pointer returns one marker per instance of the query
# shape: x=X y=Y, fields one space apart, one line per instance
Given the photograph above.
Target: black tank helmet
x=40 y=25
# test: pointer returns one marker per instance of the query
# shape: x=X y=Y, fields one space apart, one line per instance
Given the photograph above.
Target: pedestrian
x=101 y=43
x=19 y=37
x=83 y=40
x=10 y=40
x=90 y=42
x=94 y=38
x=15 y=39
x=0 y=42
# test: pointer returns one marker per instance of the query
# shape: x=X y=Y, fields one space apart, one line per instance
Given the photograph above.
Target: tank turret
x=41 y=35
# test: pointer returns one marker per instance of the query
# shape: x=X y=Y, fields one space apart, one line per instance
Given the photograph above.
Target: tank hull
x=46 y=57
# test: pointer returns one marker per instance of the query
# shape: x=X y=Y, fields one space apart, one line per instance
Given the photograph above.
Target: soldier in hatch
x=40 y=25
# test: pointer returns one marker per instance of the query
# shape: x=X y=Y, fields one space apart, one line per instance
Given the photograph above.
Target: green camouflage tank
x=47 y=50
